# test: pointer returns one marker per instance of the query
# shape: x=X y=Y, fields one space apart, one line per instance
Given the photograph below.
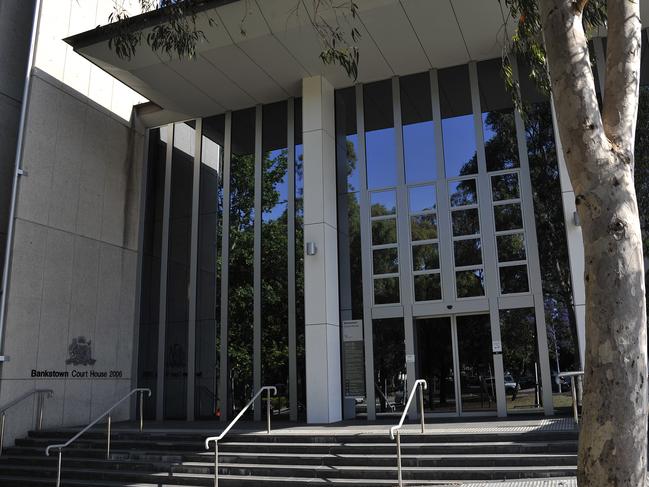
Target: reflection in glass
x=508 y=217
x=384 y=231
x=501 y=146
x=151 y=261
x=274 y=252
x=428 y=287
x=505 y=187
x=422 y=198
x=383 y=203
x=346 y=139
x=520 y=358
x=386 y=261
x=458 y=128
x=386 y=290
x=469 y=283
x=511 y=247
x=423 y=227
x=299 y=258
x=465 y=222
x=476 y=363
x=388 y=342
x=380 y=145
x=463 y=193
x=241 y=296
x=425 y=257
x=417 y=120
x=435 y=363
x=513 y=279
x=180 y=223
x=208 y=286
x=467 y=252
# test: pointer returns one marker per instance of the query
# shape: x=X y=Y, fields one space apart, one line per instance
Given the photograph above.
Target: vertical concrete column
x=322 y=330
x=575 y=244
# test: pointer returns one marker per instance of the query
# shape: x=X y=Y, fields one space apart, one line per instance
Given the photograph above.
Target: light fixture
x=575 y=217
x=311 y=248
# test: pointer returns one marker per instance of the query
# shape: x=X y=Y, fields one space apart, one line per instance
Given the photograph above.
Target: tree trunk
x=598 y=148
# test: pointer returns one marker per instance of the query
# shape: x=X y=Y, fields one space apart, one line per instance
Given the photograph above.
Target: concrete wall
x=74 y=258
x=15 y=31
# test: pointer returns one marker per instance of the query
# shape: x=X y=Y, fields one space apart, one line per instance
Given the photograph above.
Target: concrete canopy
x=234 y=70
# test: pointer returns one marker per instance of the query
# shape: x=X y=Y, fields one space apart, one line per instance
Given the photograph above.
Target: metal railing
x=574 y=377
x=421 y=384
x=61 y=446
x=39 y=415
x=216 y=439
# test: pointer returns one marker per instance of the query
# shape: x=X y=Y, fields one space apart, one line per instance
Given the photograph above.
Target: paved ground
x=571 y=482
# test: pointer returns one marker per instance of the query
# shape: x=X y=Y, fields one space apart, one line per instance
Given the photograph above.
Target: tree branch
x=622 y=73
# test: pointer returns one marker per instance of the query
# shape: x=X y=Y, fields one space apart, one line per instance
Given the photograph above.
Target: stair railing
x=42 y=395
x=574 y=377
x=107 y=413
x=420 y=385
x=216 y=439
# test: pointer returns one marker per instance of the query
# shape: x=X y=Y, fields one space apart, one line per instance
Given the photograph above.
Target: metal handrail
x=216 y=439
x=41 y=404
x=421 y=384
x=61 y=446
x=573 y=389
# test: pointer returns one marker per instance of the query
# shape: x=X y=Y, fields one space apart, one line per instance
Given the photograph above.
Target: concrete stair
x=291 y=460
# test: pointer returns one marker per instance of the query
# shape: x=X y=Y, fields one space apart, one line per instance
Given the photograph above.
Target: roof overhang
x=262 y=54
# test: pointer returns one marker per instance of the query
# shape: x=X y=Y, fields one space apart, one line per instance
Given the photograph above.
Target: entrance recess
x=454 y=356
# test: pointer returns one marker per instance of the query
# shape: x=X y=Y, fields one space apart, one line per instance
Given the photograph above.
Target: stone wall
x=74 y=261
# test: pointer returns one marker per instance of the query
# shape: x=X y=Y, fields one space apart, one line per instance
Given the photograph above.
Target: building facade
x=265 y=220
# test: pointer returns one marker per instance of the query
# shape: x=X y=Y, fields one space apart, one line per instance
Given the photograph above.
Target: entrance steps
x=360 y=459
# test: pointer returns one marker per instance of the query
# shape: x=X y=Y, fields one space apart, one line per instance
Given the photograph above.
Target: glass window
x=388 y=342
x=386 y=261
x=508 y=217
x=384 y=231
x=511 y=247
x=208 y=286
x=422 y=198
x=463 y=193
x=425 y=257
x=501 y=146
x=418 y=131
x=465 y=222
x=428 y=287
x=349 y=255
x=180 y=222
x=383 y=203
x=151 y=261
x=423 y=227
x=299 y=258
x=380 y=146
x=386 y=290
x=458 y=128
x=241 y=296
x=469 y=283
x=520 y=359
x=513 y=279
x=346 y=140
x=274 y=251
x=467 y=252
x=505 y=187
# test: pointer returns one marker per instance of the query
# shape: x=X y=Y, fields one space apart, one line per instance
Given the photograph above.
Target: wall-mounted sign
x=410 y=359
x=80 y=351
x=352 y=330
x=497 y=346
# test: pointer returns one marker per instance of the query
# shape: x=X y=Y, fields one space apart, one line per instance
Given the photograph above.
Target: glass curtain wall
x=180 y=223
x=151 y=264
x=274 y=256
x=209 y=267
x=298 y=234
x=241 y=259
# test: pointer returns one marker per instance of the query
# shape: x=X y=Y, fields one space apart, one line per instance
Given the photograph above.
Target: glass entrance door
x=454 y=356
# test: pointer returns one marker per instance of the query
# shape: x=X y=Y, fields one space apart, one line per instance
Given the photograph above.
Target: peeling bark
x=598 y=148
